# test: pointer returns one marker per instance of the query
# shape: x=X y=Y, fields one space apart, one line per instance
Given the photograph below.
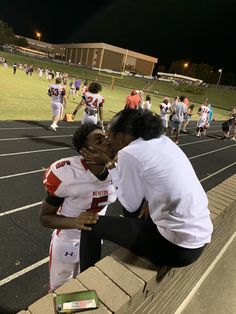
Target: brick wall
x=126 y=283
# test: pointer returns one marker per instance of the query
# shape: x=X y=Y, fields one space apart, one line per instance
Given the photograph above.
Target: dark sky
x=199 y=31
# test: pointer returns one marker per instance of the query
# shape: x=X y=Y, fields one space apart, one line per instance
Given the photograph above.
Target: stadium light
x=220 y=71
x=38 y=35
x=185 y=66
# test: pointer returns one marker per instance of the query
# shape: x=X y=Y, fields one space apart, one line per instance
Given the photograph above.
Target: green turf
x=25 y=98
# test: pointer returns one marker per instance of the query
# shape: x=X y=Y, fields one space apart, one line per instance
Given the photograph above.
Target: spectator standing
x=77 y=86
x=133 y=101
x=178 y=112
x=188 y=118
x=14 y=68
x=147 y=103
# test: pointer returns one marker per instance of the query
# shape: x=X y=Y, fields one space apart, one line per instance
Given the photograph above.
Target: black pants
x=138 y=235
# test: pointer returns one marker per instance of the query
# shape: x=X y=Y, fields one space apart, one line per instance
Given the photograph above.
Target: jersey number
x=95 y=207
x=91 y=102
x=54 y=91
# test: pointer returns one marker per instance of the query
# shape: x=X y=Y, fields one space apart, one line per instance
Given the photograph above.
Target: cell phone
x=76 y=301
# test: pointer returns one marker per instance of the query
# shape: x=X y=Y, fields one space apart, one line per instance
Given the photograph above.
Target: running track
x=26 y=149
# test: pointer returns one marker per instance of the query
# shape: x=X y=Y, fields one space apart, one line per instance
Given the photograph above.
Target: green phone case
x=76 y=301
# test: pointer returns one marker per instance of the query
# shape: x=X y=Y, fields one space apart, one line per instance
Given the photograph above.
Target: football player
x=74 y=188
x=202 y=123
x=93 y=103
x=58 y=102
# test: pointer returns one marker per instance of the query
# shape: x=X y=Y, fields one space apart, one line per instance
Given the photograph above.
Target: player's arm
x=50 y=219
x=81 y=104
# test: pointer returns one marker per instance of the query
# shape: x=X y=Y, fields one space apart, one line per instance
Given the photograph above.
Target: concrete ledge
x=126 y=283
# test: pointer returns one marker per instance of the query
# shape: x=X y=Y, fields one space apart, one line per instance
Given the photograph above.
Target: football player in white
x=202 y=124
x=58 y=102
x=93 y=103
x=75 y=188
x=164 y=110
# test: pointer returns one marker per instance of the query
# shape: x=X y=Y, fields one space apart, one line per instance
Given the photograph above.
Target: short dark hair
x=137 y=123
x=58 y=80
x=80 y=135
x=148 y=97
x=181 y=98
x=94 y=88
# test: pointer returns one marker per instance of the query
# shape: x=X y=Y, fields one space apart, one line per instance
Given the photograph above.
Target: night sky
x=198 y=31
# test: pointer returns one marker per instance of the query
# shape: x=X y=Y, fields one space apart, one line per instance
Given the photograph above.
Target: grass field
x=25 y=98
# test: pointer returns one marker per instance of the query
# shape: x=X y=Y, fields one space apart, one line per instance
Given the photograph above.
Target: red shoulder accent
x=51 y=183
x=83 y=162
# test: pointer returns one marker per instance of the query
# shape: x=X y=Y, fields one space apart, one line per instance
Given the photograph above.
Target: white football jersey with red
x=203 y=112
x=69 y=178
x=93 y=101
x=56 y=91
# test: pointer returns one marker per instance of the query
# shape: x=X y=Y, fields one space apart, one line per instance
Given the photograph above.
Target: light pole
x=185 y=66
x=220 y=71
x=38 y=35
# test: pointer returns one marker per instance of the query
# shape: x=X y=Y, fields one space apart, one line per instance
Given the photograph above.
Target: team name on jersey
x=100 y=193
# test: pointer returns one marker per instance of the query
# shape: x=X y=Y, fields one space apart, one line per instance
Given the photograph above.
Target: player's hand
x=84 y=219
x=95 y=156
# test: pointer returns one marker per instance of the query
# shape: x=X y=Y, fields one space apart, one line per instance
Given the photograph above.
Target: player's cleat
x=52 y=127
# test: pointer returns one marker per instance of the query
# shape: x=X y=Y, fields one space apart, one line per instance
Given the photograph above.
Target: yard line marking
x=37 y=127
x=214 y=173
x=204 y=276
x=35 y=151
x=33 y=137
x=21 y=174
x=196 y=142
x=12 y=211
x=211 y=152
x=23 y=271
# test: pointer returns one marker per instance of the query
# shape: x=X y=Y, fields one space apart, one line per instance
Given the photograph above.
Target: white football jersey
x=93 y=101
x=164 y=109
x=56 y=91
x=69 y=178
x=203 y=111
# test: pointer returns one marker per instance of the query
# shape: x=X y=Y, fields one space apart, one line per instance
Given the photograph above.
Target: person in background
x=14 y=68
x=164 y=110
x=133 y=101
x=77 y=86
x=72 y=90
x=150 y=167
x=188 y=118
x=73 y=188
x=210 y=117
x=178 y=112
x=203 y=113
x=230 y=124
x=58 y=102
x=93 y=103
x=147 y=103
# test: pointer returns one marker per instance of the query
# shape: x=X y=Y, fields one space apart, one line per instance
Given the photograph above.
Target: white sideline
x=23 y=271
x=218 y=171
x=11 y=211
x=21 y=174
x=207 y=272
x=37 y=127
x=35 y=151
x=211 y=152
x=31 y=138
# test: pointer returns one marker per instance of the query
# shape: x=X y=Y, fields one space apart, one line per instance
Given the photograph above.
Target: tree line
x=7 y=36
